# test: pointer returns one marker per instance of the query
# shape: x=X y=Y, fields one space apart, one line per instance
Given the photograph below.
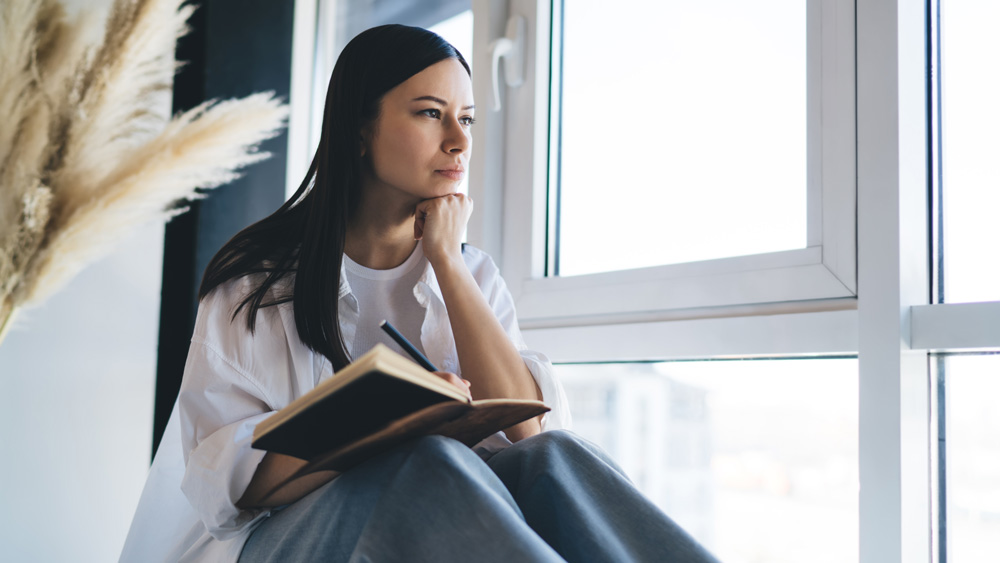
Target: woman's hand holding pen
x=440 y=222
x=462 y=385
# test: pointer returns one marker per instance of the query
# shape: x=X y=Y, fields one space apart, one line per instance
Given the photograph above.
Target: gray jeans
x=551 y=497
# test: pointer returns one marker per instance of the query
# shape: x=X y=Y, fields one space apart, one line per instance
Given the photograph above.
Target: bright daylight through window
x=972 y=453
x=682 y=134
x=970 y=146
x=969 y=424
x=757 y=459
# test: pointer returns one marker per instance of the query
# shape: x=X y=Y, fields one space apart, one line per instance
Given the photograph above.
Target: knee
x=546 y=449
x=562 y=448
x=435 y=444
x=561 y=438
x=438 y=450
x=554 y=441
x=416 y=455
x=446 y=466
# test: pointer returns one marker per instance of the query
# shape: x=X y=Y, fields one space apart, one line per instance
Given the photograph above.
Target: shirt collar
x=345 y=287
x=426 y=286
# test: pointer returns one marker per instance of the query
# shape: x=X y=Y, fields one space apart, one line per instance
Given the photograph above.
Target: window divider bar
x=895 y=507
x=955 y=326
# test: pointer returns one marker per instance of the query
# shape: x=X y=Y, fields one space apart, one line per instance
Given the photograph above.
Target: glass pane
x=970 y=118
x=972 y=453
x=756 y=459
x=683 y=132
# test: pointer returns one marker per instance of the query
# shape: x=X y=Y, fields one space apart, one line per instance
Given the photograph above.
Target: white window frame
x=895 y=447
x=890 y=325
x=512 y=226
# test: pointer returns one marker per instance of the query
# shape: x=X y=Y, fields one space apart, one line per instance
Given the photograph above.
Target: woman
x=374 y=232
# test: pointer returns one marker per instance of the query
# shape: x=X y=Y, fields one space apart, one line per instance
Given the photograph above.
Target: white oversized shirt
x=233 y=380
x=386 y=295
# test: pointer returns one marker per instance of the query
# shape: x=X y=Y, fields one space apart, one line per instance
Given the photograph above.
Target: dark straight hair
x=305 y=236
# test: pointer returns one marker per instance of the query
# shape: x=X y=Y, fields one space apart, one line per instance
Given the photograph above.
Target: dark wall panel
x=235 y=48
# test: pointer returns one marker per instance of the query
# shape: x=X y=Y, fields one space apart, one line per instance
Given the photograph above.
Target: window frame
x=515 y=232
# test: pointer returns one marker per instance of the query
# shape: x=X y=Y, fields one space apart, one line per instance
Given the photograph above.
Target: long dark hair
x=305 y=236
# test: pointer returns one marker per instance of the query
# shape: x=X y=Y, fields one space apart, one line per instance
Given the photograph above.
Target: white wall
x=76 y=383
x=76 y=380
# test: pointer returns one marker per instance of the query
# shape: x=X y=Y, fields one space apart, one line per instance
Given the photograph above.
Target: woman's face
x=419 y=146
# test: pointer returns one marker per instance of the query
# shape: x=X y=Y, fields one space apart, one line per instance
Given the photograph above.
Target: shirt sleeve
x=541 y=368
x=220 y=404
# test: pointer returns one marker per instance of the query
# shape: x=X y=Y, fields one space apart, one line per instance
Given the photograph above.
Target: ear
x=363 y=145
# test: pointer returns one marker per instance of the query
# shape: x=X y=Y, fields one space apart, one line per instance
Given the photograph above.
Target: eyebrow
x=438 y=100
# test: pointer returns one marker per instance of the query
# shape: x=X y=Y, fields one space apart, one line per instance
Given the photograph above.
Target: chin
x=445 y=190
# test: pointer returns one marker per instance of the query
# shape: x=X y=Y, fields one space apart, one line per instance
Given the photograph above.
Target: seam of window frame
x=822 y=333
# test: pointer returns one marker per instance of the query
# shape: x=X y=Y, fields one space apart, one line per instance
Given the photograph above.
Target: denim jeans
x=551 y=497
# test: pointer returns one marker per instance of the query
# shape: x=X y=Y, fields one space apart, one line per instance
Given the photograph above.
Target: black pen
x=405 y=344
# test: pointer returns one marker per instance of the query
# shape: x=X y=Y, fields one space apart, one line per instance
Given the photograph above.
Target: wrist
x=445 y=263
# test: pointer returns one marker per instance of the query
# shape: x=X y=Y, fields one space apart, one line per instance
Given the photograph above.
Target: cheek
x=407 y=145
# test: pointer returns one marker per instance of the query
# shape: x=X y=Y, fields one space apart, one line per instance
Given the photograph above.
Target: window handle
x=511 y=49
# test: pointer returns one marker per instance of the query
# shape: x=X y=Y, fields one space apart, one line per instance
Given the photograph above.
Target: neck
x=380 y=235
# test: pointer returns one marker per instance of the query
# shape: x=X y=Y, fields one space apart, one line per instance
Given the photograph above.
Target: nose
x=457 y=139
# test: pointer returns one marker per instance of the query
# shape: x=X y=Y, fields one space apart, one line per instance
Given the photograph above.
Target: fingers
x=418 y=226
x=462 y=385
x=447 y=204
x=440 y=222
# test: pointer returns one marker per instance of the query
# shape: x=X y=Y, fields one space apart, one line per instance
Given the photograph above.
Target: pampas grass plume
x=86 y=153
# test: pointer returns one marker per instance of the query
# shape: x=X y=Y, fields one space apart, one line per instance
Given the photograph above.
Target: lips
x=452 y=173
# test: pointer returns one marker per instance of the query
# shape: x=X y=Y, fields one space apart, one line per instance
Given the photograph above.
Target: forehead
x=445 y=79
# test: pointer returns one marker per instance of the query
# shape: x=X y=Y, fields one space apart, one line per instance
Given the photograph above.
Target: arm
x=272 y=471
x=488 y=358
x=218 y=413
x=222 y=399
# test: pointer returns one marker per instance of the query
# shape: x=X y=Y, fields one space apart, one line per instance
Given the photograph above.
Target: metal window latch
x=511 y=49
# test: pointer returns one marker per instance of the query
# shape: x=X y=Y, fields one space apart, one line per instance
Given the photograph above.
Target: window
x=971 y=462
x=756 y=459
x=963 y=325
x=969 y=147
x=804 y=254
x=673 y=127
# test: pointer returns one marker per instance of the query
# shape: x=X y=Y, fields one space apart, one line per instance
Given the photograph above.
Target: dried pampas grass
x=86 y=156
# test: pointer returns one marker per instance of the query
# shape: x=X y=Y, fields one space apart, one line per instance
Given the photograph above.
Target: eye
x=468 y=120
x=432 y=113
